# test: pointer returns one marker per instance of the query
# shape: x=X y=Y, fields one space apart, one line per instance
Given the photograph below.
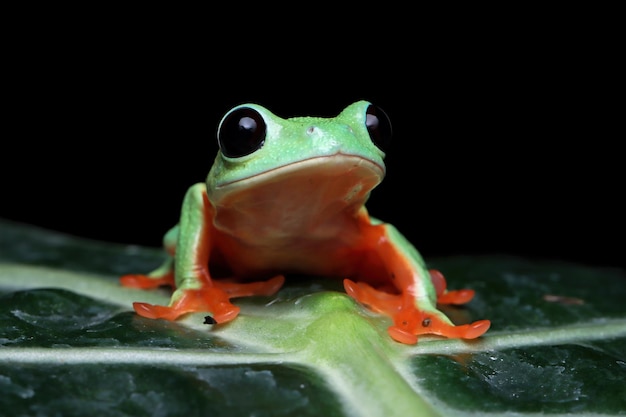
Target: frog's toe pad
x=155 y=312
x=225 y=313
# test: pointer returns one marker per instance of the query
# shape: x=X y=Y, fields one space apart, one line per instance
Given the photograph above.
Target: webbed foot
x=213 y=298
x=408 y=321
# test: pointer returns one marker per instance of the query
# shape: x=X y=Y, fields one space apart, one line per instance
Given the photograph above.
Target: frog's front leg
x=414 y=309
x=195 y=290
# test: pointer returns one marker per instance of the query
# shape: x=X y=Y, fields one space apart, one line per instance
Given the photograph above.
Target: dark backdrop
x=496 y=149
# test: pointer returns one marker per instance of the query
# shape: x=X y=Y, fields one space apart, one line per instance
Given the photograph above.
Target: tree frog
x=287 y=196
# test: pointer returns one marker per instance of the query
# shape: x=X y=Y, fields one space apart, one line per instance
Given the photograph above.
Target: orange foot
x=215 y=299
x=408 y=321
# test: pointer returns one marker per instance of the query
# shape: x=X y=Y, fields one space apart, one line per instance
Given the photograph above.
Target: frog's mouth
x=325 y=167
x=307 y=189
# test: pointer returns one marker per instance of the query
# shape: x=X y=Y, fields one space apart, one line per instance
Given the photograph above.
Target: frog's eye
x=241 y=132
x=378 y=126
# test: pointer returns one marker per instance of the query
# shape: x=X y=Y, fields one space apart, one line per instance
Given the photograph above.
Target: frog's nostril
x=310 y=130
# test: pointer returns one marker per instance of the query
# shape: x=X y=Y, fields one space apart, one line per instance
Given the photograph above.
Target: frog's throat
x=339 y=164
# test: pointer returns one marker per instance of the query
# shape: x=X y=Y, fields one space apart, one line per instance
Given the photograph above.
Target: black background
x=503 y=142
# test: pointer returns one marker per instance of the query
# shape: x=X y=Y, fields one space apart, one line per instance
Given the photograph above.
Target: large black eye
x=378 y=126
x=241 y=132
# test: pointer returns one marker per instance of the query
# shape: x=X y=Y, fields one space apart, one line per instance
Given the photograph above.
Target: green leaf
x=70 y=343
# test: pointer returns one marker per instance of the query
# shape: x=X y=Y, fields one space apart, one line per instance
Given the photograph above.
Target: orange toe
x=464 y=331
x=456 y=297
x=145 y=282
x=156 y=312
x=476 y=329
x=225 y=313
x=375 y=300
x=247 y=289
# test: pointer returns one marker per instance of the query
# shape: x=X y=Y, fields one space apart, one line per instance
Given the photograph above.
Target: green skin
x=231 y=214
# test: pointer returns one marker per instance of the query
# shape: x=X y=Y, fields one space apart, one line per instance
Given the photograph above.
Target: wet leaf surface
x=70 y=343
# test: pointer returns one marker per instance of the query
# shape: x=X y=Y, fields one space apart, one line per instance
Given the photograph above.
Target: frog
x=286 y=197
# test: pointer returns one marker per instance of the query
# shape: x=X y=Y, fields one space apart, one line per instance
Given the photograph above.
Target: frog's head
x=263 y=153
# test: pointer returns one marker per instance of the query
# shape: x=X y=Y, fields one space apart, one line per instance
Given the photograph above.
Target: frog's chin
x=319 y=183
